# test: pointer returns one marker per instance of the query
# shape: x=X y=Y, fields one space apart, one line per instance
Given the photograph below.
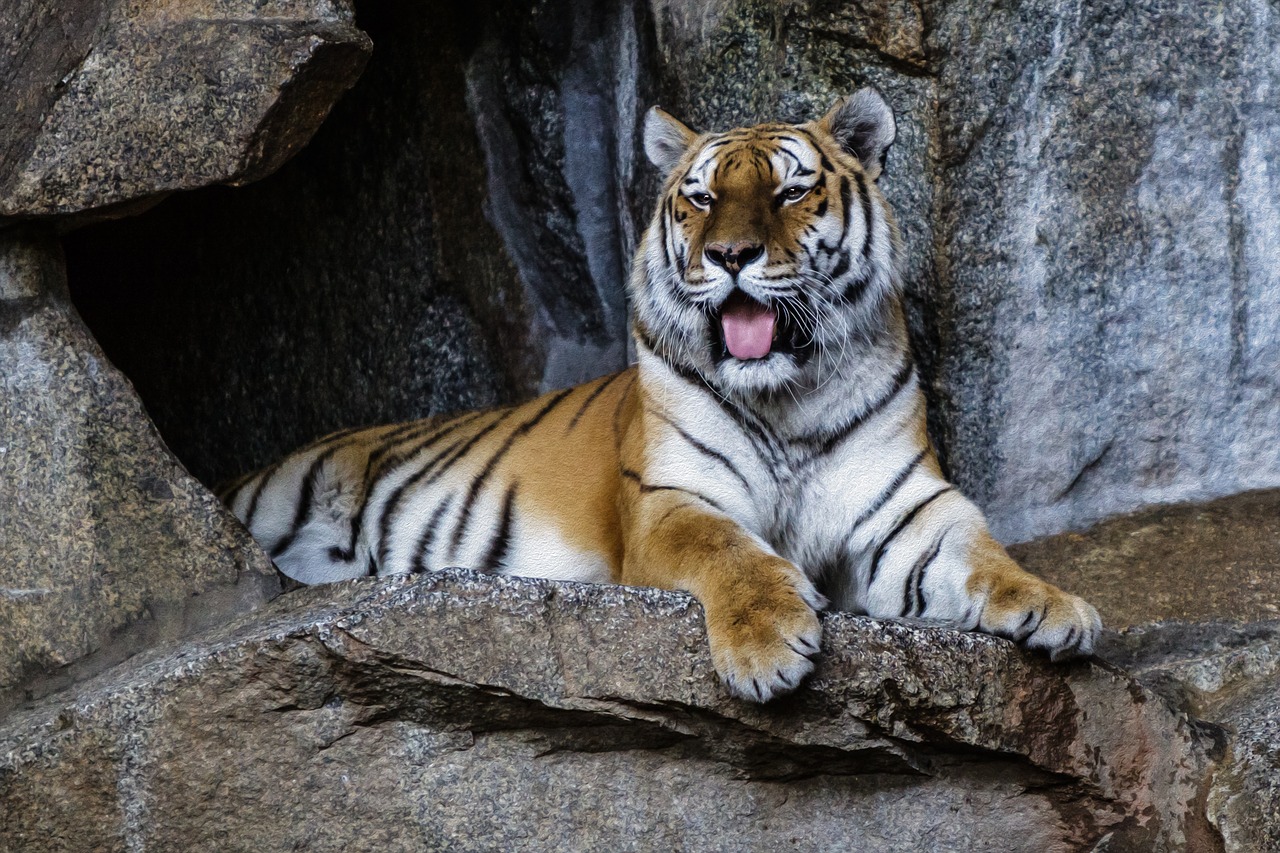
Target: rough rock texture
x=1226 y=672
x=107 y=545
x=1107 y=215
x=469 y=712
x=108 y=102
x=1188 y=562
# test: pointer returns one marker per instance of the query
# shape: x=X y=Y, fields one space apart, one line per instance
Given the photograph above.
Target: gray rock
x=1107 y=214
x=372 y=278
x=107 y=545
x=1225 y=672
x=463 y=711
x=116 y=103
x=1190 y=562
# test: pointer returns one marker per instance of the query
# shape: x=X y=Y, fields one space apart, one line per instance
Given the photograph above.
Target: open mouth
x=748 y=330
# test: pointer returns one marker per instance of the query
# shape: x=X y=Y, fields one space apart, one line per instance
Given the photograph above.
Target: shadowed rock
x=107 y=545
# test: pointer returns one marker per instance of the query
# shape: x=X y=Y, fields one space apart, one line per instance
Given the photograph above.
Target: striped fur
x=751 y=482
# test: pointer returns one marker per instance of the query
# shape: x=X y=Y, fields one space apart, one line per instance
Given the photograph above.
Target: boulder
x=1226 y=672
x=114 y=104
x=1106 y=219
x=472 y=712
x=107 y=545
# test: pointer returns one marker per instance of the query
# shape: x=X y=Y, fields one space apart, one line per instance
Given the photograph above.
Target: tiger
x=767 y=451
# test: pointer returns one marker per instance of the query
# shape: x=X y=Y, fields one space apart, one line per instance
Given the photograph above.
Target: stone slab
x=116 y=104
x=468 y=712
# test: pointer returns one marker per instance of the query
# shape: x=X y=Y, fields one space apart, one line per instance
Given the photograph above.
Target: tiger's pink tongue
x=748 y=328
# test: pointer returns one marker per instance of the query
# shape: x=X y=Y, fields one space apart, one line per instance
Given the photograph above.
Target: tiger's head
x=771 y=247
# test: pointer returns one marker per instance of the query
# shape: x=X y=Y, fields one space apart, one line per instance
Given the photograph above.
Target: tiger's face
x=771 y=246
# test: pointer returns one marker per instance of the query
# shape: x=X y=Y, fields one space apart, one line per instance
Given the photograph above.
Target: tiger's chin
x=747 y=378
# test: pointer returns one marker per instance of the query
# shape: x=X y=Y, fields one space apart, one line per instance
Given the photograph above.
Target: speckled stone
x=1229 y=673
x=467 y=712
x=1107 y=218
x=107 y=545
x=1189 y=562
x=118 y=103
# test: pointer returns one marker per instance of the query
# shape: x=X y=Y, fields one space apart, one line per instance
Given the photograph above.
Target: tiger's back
x=530 y=489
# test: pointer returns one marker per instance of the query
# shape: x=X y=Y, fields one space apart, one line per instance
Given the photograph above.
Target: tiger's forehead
x=771 y=153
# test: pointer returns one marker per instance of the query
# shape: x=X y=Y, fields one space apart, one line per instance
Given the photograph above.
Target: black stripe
x=501 y=543
x=845 y=206
x=227 y=492
x=842 y=266
x=428 y=536
x=901 y=526
x=662 y=224
x=274 y=469
x=647 y=488
x=373 y=474
x=591 y=398
x=622 y=401
x=764 y=441
x=478 y=483
x=821 y=210
x=866 y=212
x=854 y=290
x=307 y=498
x=436 y=467
x=887 y=494
x=913 y=586
x=705 y=450
x=829 y=441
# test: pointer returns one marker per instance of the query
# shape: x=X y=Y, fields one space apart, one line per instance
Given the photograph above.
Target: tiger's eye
x=795 y=193
x=701 y=199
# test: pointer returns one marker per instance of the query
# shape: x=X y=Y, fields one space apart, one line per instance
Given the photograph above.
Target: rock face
x=1225 y=672
x=107 y=545
x=110 y=103
x=1107 y=215
x=469 y=712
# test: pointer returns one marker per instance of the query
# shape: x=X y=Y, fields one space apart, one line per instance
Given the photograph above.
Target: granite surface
x=467 y=712
x=107 y=545
x=115 y=104
x=1110 y=317
x=1189 y=562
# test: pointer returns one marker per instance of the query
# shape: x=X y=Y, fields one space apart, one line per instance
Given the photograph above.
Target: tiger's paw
x=765 y=632
x=1040 y=616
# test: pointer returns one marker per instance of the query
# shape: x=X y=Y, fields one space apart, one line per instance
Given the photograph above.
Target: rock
x=107 y=545
x=1226 y=672
x=473 y=712
x=117 y=103
x=1189 y=562
x=1106 y=212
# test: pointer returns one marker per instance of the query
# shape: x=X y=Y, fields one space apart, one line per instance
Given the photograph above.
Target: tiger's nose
x=733 y=256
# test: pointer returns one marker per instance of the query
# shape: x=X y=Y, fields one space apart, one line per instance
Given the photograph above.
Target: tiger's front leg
x=760 y=609
x=940 y=562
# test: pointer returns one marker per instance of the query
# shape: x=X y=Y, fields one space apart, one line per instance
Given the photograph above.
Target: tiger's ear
x=863 y=125
x=665 y=139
